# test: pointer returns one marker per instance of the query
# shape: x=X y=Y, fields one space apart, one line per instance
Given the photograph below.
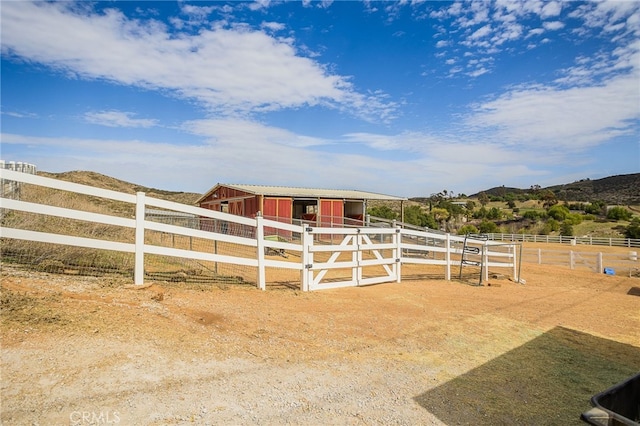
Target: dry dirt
x=95 y=351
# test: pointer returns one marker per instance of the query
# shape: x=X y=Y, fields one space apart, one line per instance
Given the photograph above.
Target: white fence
x=592 y=241
x=626 y=264
x=11 y=189
x=368 y=255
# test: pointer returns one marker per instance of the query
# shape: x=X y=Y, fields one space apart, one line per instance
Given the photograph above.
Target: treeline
x=465 y=217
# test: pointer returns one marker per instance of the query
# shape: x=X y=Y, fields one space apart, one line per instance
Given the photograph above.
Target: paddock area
x=423 y=351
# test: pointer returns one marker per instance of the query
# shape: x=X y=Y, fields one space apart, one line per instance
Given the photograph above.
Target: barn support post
x=260 y=279
x=138 y=273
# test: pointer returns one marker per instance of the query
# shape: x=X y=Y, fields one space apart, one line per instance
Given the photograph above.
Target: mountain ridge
x=616 y=189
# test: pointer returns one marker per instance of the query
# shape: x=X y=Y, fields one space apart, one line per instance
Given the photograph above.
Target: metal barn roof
x=290 y=191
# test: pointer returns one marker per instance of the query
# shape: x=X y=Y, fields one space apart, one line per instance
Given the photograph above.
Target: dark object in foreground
x=618 y=405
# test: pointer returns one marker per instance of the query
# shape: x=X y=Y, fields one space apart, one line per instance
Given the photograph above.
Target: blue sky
x=404 y=98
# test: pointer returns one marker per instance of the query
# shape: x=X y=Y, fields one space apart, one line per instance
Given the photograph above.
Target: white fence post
x=485 y=260
x=447 y=258
x=571 y=260
x=138 y=275
x=398 y=255
x=260 y=278
x=307 y=242
x=356 y=258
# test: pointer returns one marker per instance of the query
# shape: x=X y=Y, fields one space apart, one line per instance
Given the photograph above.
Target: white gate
x=362 y=256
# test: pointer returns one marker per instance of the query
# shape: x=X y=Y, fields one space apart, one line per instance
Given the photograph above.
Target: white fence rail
x=592 y=241
x=369 y=255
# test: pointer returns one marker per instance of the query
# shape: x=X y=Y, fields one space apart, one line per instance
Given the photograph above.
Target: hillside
x=106 y=182
x=619 y=189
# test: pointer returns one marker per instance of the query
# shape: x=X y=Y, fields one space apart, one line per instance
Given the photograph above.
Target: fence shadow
x=549 y=380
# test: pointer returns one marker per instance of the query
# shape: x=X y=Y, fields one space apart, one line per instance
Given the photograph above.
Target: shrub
x=566 y=229
x=552 y=225
x=559 y=212
x=595 y=207
x=494 y=213
x=618 y=213
x=574 y=218
x=633 y=230
x=467 y=229
x=487 y=227
x=383 y=212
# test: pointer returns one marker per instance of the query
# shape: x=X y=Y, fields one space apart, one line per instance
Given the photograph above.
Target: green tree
x=469 y=209
x=633 y=230
x=566 y=228
x=596 y=207
x=483 y=198
x=558 y=212
x=481 y=213
x=619 y=213
x=383 y=212
x=548 y=198
x=416 y=216
x=440 y=215
x=494 y=213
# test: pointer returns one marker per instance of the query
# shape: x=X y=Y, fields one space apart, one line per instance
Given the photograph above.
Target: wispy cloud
x=568 y=120
x=229 y=69
x=118 y=119
x=17 y=114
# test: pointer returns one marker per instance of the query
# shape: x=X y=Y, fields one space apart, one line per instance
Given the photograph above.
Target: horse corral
x=422 y=351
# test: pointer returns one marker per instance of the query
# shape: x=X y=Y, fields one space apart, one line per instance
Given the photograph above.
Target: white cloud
x=16 y=114
x=229 y=70
x=563 y=119
x=118 y=119
x=273 y=26
x=535 y=32
x=551 y=9
x=248 y=134
x=553 y=25
x=481 y=32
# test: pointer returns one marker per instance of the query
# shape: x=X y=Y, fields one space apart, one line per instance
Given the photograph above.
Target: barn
x=323 y=207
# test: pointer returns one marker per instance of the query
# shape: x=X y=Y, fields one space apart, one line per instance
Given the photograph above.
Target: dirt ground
x=79 y=351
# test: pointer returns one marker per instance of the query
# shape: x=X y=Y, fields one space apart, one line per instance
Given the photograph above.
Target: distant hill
x=619 y=189
x=105 y=182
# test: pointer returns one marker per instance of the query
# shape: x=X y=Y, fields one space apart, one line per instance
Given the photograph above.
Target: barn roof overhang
x=295 y=192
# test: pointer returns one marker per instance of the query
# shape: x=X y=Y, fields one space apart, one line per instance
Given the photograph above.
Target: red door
x=331 y=213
